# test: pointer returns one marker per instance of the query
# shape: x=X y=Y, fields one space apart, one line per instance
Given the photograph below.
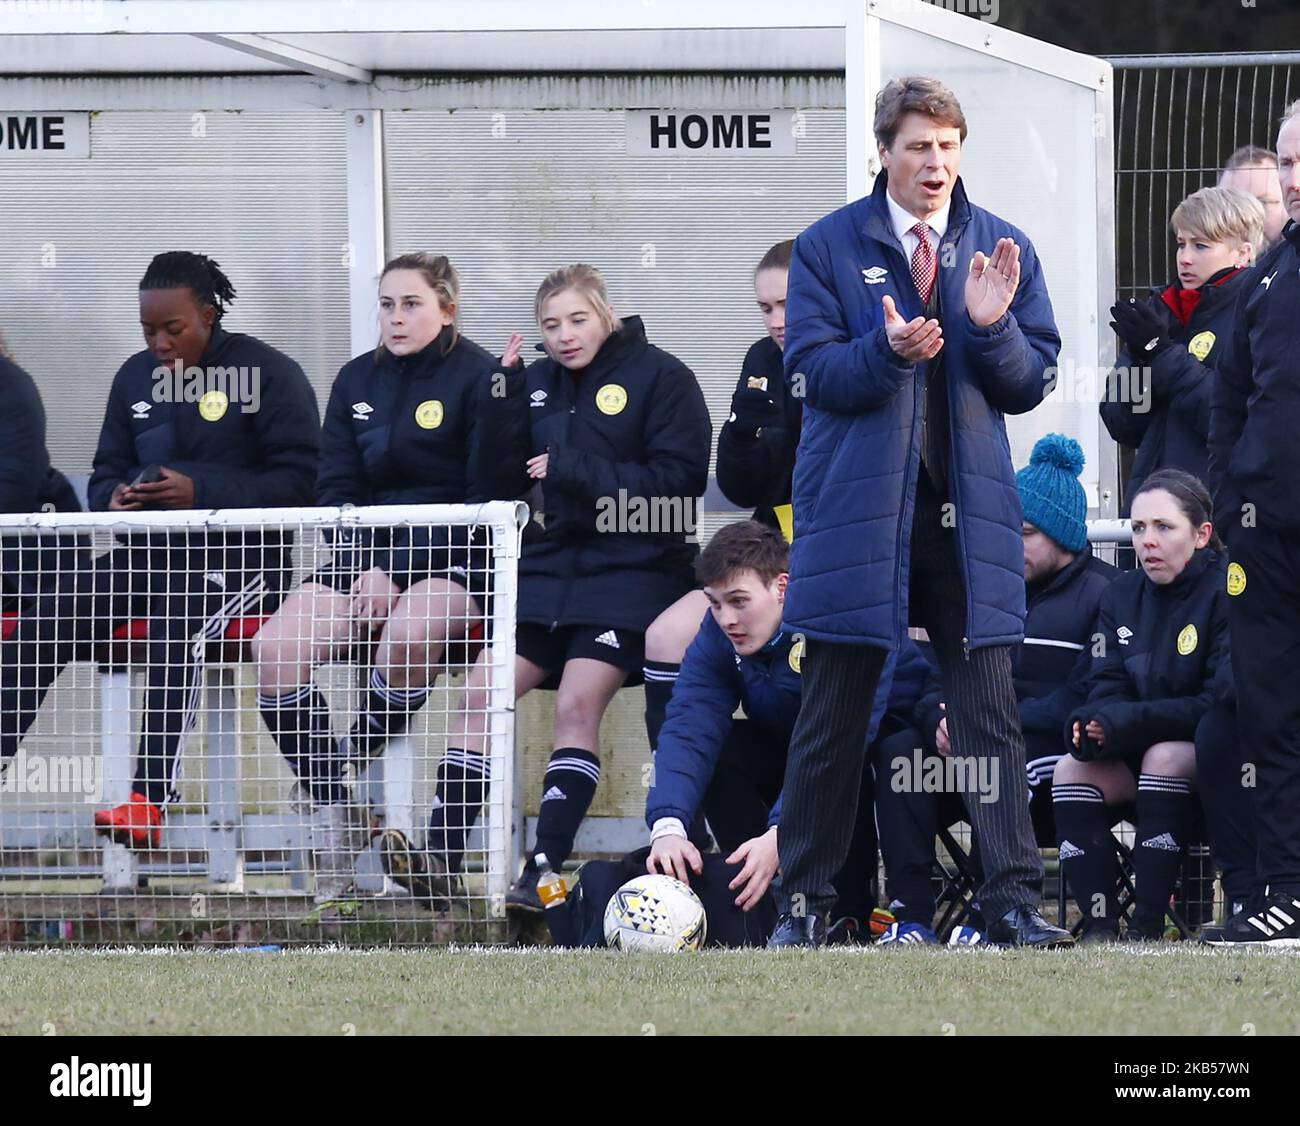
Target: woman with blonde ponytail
x=616 y=434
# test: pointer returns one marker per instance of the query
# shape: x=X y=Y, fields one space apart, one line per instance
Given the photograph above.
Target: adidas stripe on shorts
x=551 y=648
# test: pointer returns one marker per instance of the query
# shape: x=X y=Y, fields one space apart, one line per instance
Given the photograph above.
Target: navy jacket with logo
x=24 y=459
x=1172 y=429
x=1050 y=667
x=1164 y=658
x=417 y=429
x=29 y=563
x=757 y=468
x=257 y=459
x=859 y=454
x=1255 y=412
x=264 y=458
x=767 y=685
x=628 y=439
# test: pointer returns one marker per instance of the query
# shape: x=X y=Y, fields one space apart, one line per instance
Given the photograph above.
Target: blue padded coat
x=859 y=455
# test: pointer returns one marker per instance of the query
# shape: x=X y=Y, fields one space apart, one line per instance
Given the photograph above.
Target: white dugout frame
x=358 y=57
x=363 y=58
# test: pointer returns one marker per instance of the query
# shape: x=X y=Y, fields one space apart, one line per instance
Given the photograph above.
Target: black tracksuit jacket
x=628 y=438
x=1255 y=412
x=263 y=458
x=1174 y=432
x=417 y=429
x=755 y=468
x=1164 y=661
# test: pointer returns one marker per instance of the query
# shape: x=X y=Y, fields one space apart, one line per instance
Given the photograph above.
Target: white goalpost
x=93 y=686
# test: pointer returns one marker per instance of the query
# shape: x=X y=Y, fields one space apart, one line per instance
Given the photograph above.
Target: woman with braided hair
x=162 y=450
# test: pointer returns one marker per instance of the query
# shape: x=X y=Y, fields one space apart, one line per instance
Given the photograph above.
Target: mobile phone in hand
x=147 y=476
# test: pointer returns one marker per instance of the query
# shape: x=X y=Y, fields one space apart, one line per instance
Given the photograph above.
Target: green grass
x=1182 y=990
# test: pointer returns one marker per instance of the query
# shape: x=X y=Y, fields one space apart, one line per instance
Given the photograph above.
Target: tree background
x=1155 y=27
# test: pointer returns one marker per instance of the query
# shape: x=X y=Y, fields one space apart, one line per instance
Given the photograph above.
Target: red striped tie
x=924 y=265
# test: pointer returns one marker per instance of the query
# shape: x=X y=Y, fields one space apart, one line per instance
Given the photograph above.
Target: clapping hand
x=992 y=282
x=916 y=340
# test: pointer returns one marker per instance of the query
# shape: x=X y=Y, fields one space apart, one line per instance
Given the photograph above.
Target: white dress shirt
x=904 y=221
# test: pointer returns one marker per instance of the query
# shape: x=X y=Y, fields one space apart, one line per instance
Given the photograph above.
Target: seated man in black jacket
x=1064 y=582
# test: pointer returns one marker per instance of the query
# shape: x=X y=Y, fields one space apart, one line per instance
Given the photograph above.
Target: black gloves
x=1089 y=750
x=751 y=409
x=1145 y=329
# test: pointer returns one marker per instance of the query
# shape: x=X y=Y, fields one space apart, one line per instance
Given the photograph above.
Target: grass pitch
x=1166 y=990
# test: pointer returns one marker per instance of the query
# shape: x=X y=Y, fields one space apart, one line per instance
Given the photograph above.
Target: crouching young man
x=732 y=769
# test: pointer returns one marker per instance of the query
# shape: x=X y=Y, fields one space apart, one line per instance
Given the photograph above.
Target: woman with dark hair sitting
x=1159 y=703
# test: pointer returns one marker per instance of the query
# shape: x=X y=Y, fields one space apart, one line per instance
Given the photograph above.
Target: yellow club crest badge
x=1236 y=579
x=1200 y=345
x=611 y=399
x=428 y=415
x=213 y=406
x=796 y=655
x=785 y=518
x=1187 y=640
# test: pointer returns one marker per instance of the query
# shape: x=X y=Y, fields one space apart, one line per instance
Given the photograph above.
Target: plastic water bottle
x=551 y=888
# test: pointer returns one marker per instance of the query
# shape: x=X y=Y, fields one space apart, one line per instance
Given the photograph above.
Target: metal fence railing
x=207 y=727
x=1177 y=120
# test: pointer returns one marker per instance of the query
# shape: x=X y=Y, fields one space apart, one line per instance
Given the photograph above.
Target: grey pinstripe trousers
x=824 y=769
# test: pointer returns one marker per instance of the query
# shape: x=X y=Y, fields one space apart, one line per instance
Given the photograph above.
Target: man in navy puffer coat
x=909 y=345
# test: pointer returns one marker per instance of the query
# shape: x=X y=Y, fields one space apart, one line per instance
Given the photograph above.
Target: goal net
x=258 y=726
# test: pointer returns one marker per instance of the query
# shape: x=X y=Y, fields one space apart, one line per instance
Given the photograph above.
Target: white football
x=655 y=913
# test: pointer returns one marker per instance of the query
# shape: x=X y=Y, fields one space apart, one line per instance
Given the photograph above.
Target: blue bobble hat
x=1051 y=496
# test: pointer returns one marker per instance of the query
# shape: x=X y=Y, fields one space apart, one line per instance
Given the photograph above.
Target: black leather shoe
x=798 y=930
x=1025 y=926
